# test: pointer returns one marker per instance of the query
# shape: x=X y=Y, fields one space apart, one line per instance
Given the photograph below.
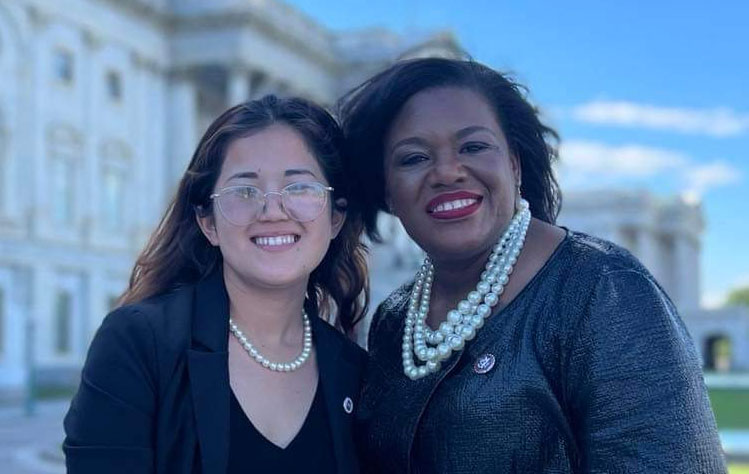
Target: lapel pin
x=348 y=405
x=484 y=364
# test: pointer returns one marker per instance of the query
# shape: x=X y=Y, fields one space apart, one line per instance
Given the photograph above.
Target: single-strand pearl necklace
x=434 y=346
x=276 y=366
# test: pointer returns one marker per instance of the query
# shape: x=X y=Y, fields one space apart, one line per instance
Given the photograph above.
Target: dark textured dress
x=310 y=452
x=594 y=372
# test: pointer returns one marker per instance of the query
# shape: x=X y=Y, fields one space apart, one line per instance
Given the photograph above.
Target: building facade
x=101 y=105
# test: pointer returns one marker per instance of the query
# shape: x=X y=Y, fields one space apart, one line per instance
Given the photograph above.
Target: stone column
x=151 y=164
x=91 y=160
x=238 y=88
x=262 y=85
x=647 y=248
x=687 y=288
x=182 y=124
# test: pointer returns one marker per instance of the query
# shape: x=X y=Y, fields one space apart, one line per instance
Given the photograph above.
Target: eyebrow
x=464 y=132
x=289 y=172
x=298 y=171
x=408 y=141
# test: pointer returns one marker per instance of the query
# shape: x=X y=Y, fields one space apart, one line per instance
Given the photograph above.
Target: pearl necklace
x=434 y=346
x=276 y=366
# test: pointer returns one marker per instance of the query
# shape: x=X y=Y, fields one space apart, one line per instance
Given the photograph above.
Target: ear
x=517 y=169
x=389 y=203
x=339 y=217
x=207 y=225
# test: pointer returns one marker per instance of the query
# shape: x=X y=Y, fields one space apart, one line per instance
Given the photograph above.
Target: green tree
x=739 y=296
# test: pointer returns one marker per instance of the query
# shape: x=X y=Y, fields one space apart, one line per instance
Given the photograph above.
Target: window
x=114 y=198
x=63 y=322
x=63 y=189
x=4 y=172
x=63 y=66
x=114 y=85
x=2 y=321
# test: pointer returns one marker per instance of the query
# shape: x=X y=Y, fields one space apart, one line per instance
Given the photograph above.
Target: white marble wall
x=43 y=118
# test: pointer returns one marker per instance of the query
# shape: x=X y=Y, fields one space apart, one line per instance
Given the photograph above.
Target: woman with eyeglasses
x=219 y=359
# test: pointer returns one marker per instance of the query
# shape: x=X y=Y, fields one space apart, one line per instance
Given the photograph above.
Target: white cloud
x=700 y=178
x=713 y=299
x=717 y=122
x=586 y=164
x=621 y=161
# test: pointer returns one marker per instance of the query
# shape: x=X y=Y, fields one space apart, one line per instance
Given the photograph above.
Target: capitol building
x=101 y=105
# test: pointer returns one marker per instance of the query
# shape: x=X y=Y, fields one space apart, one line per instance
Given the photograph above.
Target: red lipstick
x=454 y=205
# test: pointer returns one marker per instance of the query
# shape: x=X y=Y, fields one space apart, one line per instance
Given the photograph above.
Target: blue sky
x=661 y=84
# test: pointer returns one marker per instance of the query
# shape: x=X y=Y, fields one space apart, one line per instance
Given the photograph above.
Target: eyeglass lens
x=242 y=205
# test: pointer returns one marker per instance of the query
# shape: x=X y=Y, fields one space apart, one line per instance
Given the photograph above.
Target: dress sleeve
x=637 y=398
x=109 y=426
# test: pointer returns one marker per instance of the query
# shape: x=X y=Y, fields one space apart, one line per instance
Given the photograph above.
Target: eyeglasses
x=242 y=205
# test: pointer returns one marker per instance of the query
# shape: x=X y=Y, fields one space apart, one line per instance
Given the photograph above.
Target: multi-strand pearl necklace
x=434 y=346
x=276 y=366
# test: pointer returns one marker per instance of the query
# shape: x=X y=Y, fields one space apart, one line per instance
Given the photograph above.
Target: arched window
x=114 y=175
x=65 y=146
x=63 y=330
x=3 y=321
x=63 y=66
x=718 y=353
x=4 y=169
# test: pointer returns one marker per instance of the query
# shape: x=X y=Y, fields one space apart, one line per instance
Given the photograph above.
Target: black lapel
x=209 y=371
x=414 y=395
x=340 y=380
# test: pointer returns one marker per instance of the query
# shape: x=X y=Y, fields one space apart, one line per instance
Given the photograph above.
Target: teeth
x=273 y=241
x=457 y=204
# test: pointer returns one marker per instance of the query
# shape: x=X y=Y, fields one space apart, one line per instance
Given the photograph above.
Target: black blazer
x=154 y=393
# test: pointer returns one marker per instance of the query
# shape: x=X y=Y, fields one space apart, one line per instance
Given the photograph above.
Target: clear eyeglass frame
x=262 y=198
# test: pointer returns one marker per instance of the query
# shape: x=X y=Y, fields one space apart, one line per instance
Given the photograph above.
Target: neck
x=458 y=277
x=269 y=315
x=453 y=279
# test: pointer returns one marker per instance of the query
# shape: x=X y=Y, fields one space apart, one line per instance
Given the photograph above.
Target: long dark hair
x=367 y=112
x=179 y=254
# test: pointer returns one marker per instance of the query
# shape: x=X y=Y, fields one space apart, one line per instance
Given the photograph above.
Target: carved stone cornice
x=321 y=54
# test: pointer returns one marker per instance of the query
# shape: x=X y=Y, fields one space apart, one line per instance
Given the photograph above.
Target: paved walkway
x=31 y=444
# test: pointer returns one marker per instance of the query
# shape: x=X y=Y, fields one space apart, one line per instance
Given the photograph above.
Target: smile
x=457 y=204
x=454 y=205
x=275 y=242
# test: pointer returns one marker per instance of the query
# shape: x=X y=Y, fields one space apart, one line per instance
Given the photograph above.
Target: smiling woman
x=519 y=346
x=218 y=359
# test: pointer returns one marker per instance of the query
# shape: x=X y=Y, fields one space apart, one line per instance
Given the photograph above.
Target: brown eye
x=475 y=147
x=412 y=159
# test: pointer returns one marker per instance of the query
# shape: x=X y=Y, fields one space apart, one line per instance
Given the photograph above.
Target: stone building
x=101 y=105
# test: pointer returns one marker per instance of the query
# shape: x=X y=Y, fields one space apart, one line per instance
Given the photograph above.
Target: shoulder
x=611 y=271
x=600 y=256
x=621 y=298
x=390 y=313
x=168 y=316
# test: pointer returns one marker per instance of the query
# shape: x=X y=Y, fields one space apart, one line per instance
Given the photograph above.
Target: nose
x=447 y=169
x=273 y=211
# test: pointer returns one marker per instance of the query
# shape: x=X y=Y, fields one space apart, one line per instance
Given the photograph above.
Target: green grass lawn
x=731 y=407
x=738 y=469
